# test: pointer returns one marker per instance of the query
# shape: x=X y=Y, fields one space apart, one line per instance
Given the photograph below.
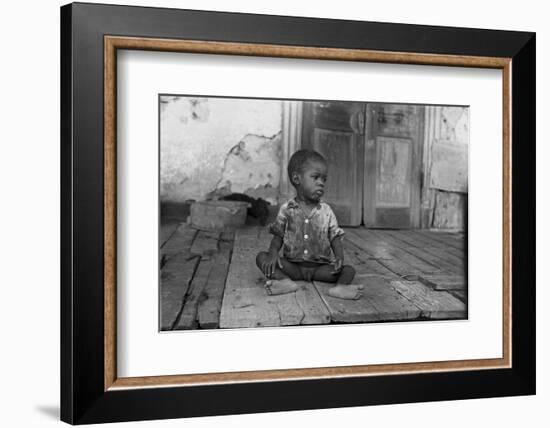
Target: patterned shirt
x=306 y=238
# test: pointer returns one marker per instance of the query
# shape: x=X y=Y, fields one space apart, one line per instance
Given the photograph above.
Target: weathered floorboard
x=228 y=291
x=379 y=302
x=411 y=238
x=433 y=304
x=445 y=282
x=176 y=273
x=208 y=313
x=180 y=241
x=246 y=302
x=176 y=276
x=460 y=295
x=434 y=255
x=188 y=316
x=166 y=231
x=205 y=244
x=388 y=256
x=433 y=240
x=452 y=240
x=362 y=263
x=401 y=252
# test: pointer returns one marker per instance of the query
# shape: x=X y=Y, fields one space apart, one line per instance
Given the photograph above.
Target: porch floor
x=210 y=280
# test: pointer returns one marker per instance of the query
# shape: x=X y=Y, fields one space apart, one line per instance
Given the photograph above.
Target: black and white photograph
x=285 y=212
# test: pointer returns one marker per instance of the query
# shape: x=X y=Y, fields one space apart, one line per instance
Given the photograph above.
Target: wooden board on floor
x=401 y=252
x=460 y=295
x=363 y=263
x=392 y=258
x=434 y=255
x=455 y=240
x=188 y=316
x=447 y=242
x=433 y=304
x=445 y=282
x=176 y=273
x=246 y=302
x=424 y=241
x=176 y=276
x=209 y=307
x=379 y=302
x=180 y=241
x=166 y=231
x=205 y=244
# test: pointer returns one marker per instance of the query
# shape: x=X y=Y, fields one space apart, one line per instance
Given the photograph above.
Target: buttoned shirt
x=306 y=237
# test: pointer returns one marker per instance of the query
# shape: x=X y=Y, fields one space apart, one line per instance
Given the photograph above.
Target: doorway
x=374 y=151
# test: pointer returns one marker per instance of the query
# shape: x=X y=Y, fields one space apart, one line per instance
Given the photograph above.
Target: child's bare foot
x=348 y=292
x=280 y=286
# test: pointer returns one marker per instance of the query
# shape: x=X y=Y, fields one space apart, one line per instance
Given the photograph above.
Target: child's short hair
x=300 y=158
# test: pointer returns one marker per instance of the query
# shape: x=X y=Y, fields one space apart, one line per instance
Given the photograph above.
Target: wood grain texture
x=392 y=158
x=435 y=255
x=175 y=280
x=444 y=281
x=188 y=317
x=335 y=129
x=180 y=241
x=110 y=216
x=246 y=303
x=379 y=302
x=449 y=169
x=210 y=304
x=166 y=231
x=205 y=244
x=392 y=257
x=449 y=210
x=433 y=304
x=309 y=52
x=176 y=274
x=399 y=251
x=362 y=263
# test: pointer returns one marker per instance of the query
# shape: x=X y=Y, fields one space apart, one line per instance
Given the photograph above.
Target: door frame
x=291 y=141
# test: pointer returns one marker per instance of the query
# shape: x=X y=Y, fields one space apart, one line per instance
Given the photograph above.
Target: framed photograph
x=266 y=213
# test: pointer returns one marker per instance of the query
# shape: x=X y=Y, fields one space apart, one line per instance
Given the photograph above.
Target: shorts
x=304 y=270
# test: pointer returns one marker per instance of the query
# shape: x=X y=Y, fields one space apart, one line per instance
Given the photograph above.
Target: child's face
x=311 y=182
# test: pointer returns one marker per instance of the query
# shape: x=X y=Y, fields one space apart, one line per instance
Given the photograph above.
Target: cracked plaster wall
x=215 y=146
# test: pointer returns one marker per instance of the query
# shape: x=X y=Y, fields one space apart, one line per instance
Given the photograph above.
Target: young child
x=307 y=230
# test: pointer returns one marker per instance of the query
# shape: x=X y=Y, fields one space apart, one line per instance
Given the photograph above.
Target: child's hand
x=269 y=266
x=338 y=264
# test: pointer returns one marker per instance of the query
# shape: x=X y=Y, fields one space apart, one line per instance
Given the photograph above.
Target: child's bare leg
x=343 y=288
x=281 y=280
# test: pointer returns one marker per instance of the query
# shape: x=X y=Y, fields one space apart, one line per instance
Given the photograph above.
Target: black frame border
x=83 y=399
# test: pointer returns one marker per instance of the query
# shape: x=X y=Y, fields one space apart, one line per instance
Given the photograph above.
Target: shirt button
x=306 y=236
x=307 y=221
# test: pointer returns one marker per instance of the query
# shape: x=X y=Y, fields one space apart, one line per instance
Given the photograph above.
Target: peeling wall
x=445 y=193
x=216 y=146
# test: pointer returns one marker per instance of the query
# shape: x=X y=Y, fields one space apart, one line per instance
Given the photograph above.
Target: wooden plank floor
x=209 y=280
x=246 y=303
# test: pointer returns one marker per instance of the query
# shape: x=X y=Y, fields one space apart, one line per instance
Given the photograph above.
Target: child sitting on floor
x=307 y=230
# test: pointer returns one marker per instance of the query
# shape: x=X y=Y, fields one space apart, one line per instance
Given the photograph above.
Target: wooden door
x=336 y=130
x=393 y=155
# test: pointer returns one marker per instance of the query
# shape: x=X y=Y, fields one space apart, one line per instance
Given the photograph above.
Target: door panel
x=374 y=152
x=394 y=187
x=335 y=129
x=393 y=153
